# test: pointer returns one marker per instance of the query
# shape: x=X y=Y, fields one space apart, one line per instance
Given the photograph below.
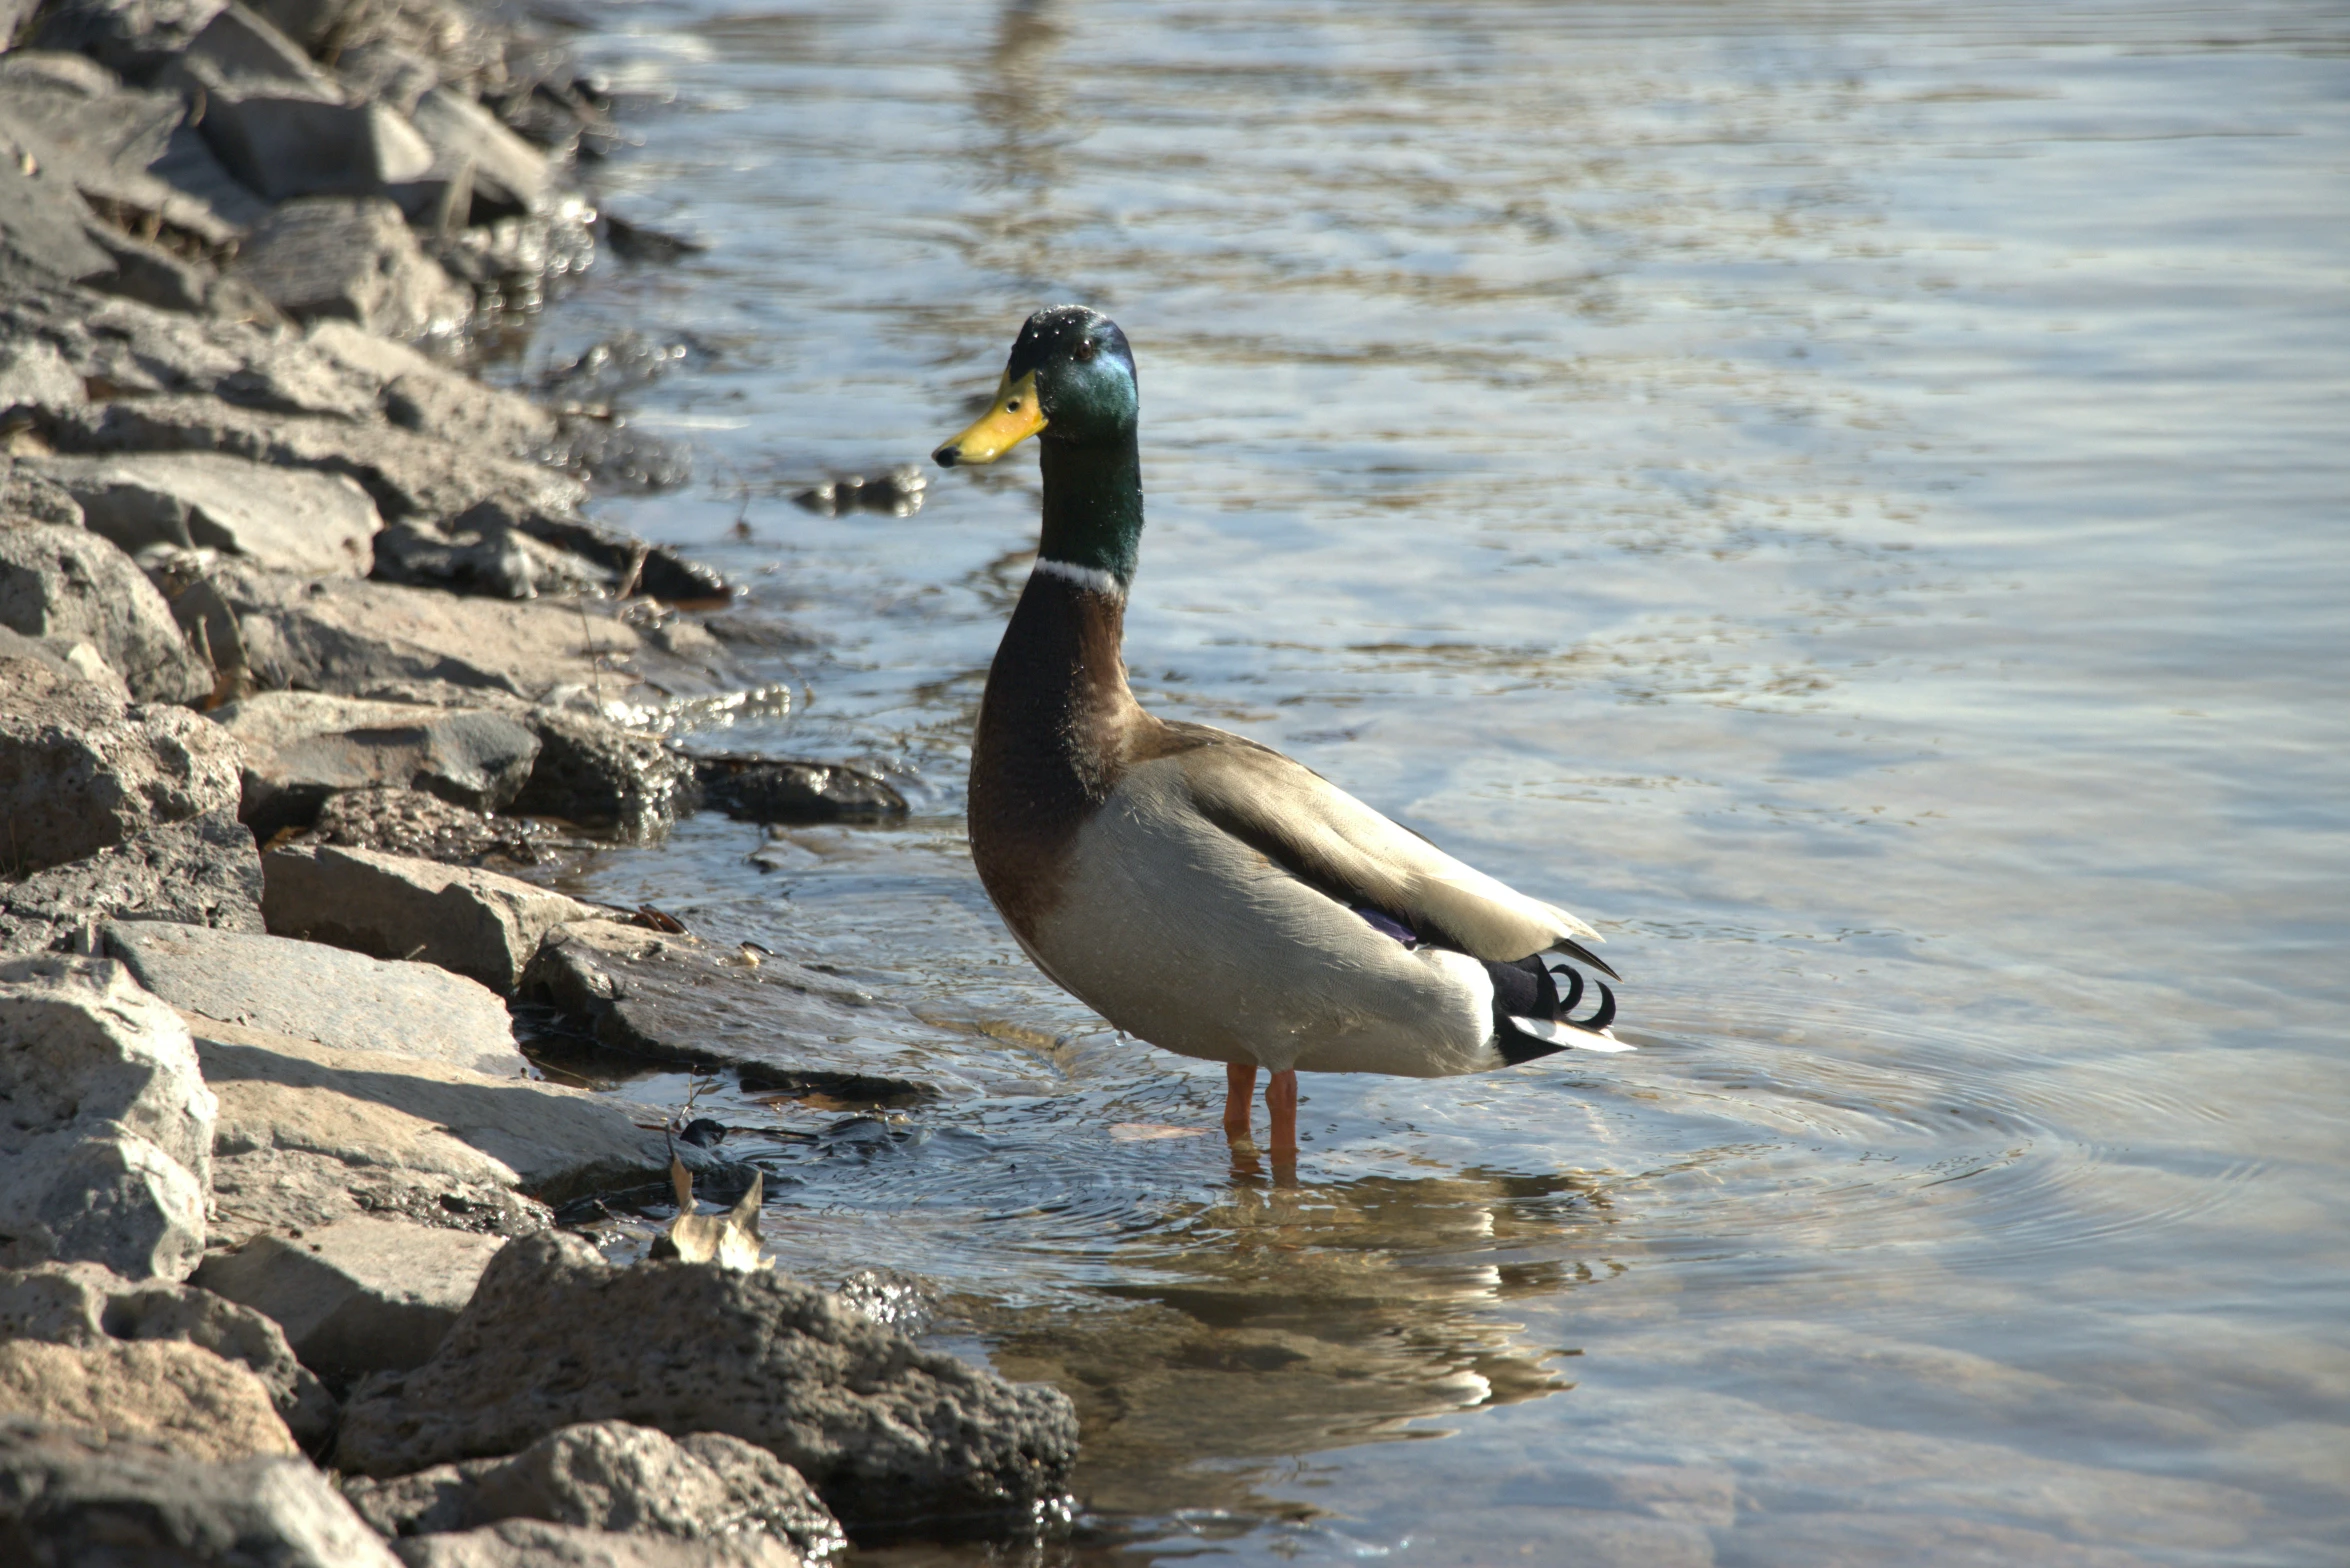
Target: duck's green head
x=1070 y=380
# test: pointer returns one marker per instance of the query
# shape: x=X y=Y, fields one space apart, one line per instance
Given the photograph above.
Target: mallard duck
x=1198 y=890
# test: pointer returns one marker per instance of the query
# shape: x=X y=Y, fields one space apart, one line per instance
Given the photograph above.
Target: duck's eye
x=1013 y=406
x=1086 y=348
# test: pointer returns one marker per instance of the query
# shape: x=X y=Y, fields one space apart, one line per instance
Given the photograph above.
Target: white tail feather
x=1572 y=1037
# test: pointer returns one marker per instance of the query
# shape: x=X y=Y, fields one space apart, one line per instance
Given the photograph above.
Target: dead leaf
x=730 y=1240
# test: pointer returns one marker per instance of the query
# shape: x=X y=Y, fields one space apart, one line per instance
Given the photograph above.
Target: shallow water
x=1850 y=498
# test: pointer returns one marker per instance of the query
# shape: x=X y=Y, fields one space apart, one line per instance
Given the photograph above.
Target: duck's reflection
x=1286 y=1319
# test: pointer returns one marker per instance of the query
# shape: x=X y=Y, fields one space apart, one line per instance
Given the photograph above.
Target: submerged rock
x=609 y=1475
x=203 y=1405
x=474 y=923
x=203 y=871
x=87 y=1304
x=779 y=789
x=601 y=775
x=360 y=1295
x=890 y=1434
x=107 y=1145
x=673 y=997
x=315 y=992
x=71 y=1497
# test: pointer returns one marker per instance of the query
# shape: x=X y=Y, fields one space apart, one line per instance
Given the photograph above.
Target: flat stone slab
x=315 y=992
x=302 y=746
x=475 y=923
x=362 y=1295
x=291 y=519
x=679 y=999
x=891 y=1434
x=359 y=639
x=308 y=1135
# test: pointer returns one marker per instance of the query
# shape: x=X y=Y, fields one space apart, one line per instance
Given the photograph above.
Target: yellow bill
x=1012 y=419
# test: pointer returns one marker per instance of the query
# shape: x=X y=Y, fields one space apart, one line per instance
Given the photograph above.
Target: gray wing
x=1325 y=837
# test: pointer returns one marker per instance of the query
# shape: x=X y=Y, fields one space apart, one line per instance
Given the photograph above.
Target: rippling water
x=1849 y=497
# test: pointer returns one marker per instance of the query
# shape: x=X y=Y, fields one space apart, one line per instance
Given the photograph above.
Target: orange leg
x=1281 y=1100
x=1240 y=1085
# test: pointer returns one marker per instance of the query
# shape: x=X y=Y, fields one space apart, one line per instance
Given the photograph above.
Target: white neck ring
x=1092 y=577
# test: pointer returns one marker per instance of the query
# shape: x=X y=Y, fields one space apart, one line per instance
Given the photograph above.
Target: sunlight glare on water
x=1848 y=497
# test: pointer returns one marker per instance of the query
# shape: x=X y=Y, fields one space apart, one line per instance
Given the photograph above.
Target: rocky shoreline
x=305 y=644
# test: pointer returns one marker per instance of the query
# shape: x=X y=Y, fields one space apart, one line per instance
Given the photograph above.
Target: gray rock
x=420 y=393
x=104 y=144
x=609 y=1475
x=138 y=352
x=310 y=1135
x=386 y=73
x=129 y=36
x=244 y=47
x=310 y=23
x=34 y=375
x=204 y=1405
x=493 y=560
x=60 y=582
x=86 y=1304
x=315 y=992
x=190 y=166
x=78 y=771
x=507 y=171
x=73 y=661
x=779 y=789
x=528 y=1543
x=151 y=274
x=651 y=570
x=411 y=822
x=201 y=872
x=44 y=230
x=677 y=999
x=351 y=258
x=368 y=638
x=286 y=1191
x=602 y=775
x=475 y=923
x=410 y=475
x=107 y=1144
x=73 y=1499
x=302 y=746
x=289 y=519
x=889 y=1433
x=358 y=1296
